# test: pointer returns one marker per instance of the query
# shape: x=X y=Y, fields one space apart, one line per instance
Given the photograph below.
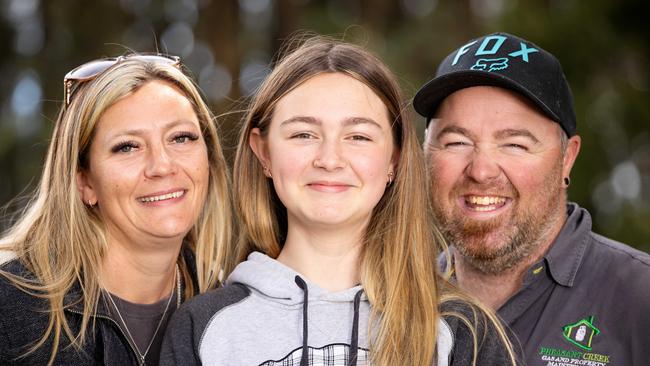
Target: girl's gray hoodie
x=267 y=314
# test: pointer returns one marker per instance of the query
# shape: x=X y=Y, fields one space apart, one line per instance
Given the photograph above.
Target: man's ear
x=85 y=187
x=258 y=144
x=570 y=155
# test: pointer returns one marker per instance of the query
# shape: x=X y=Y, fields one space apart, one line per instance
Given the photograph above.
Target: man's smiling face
x=497 y=168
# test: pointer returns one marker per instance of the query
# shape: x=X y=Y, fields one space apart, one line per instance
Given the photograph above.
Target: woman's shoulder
x=10 y=293
x=16 y=302
x=23 y=316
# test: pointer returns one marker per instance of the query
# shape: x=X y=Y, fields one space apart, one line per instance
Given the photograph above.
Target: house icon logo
x=581 y=333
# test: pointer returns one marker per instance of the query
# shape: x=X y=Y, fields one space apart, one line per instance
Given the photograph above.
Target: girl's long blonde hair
x=398 y=264
x=61 y=241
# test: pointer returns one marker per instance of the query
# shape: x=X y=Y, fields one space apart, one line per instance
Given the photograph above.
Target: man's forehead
x=486 y=109
x=439 y=127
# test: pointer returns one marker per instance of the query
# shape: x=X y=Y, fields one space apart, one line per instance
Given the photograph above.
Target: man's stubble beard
x=526 y=228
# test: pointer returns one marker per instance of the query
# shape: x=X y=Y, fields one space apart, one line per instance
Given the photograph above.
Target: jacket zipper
x=140 y=360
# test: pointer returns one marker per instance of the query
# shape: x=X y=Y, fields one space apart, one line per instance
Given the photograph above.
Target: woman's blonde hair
x=398 y=263
x=61 y=241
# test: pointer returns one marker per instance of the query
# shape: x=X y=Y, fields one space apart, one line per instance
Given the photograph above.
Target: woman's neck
x=328 y=258
x=139 y=275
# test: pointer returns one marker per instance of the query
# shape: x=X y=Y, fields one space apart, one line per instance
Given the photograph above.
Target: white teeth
x=162 y=197
x=485 y=201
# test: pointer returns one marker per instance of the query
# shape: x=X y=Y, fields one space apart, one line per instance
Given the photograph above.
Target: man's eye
x=456 y=144
x=517 y=147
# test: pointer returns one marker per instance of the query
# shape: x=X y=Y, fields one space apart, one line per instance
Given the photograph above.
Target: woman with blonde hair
x=130 y=219
x=337 y=254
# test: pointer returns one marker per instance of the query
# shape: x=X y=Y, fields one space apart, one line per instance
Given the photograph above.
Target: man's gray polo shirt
x=587 y=302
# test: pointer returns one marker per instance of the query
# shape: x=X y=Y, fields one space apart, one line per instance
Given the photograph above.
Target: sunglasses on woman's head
x=90 y=70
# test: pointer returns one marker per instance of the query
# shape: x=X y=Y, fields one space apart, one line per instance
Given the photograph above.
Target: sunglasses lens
x=90 y=69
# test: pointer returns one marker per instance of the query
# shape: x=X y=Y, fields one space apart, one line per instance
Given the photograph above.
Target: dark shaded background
x=228 y=45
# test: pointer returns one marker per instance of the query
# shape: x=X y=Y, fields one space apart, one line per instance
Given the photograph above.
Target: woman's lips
x=163 y=196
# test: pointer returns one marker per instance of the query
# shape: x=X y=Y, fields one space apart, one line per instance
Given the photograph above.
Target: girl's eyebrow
x=315 y=121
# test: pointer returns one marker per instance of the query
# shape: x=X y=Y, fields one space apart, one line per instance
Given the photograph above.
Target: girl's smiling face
x=329 y=150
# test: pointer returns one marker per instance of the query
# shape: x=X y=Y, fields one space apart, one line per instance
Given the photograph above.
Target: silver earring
x=267 y=172
x=390 y=178
x=90 y=204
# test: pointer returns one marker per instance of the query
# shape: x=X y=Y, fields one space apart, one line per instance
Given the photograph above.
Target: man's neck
x=491 y=289
x=494 y=290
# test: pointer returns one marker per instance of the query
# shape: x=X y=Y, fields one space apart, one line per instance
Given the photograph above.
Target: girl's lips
x=329 y=187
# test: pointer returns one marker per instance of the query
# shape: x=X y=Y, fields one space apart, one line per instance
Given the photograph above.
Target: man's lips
x=484 y=203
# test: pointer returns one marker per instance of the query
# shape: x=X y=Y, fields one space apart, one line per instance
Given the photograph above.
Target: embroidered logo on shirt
x=581 y=333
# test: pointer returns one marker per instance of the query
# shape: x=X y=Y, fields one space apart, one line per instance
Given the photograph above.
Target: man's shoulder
x=616 y=269
x=620 y=252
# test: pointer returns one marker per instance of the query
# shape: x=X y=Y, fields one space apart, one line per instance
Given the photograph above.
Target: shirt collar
x=565 y=256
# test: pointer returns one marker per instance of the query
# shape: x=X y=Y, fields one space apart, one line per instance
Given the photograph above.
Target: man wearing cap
x=500 y=144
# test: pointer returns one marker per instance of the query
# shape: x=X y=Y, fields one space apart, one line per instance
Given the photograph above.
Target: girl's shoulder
x=472 y=328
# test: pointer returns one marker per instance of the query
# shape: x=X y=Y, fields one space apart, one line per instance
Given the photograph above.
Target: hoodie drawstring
x=354 y=339
x=305 y=349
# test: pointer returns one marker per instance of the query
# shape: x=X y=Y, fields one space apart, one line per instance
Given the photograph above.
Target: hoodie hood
x=278 y=284
x=267 y=314
x=275 y=281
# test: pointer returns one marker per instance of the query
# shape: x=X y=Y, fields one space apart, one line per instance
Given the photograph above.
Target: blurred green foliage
x=229 y=46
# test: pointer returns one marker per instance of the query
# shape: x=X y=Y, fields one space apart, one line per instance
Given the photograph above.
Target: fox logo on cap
x=505 y=61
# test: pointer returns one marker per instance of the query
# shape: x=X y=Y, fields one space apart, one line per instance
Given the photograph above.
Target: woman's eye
x=124 y=147
x=184 y=137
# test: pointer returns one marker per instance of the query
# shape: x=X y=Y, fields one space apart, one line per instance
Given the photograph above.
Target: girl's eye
x=302 y=135
x=184 y=137
x=360 y=138
x=124 y=147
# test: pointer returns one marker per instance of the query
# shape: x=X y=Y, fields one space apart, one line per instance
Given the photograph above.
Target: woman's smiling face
x=148 y=165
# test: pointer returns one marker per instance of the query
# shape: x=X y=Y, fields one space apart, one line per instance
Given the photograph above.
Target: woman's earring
x=90 y=203
x=390 y=179
x=567 y=181
x=267 y=171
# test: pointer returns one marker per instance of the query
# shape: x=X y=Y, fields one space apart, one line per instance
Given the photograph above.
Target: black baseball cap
x=507 y=61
